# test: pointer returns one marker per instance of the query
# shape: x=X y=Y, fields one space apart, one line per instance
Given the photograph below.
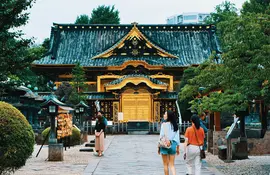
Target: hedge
x=16 y=138
x=75 y=137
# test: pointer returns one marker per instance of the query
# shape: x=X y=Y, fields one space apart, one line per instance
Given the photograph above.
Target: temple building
x=134 y=69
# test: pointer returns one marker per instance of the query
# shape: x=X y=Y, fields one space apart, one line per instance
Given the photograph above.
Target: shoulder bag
x=164 y=142
x=202 y=152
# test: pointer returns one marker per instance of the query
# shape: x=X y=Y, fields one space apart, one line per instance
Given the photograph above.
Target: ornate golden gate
x=137 y=107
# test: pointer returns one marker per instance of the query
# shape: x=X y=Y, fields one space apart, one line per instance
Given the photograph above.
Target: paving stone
x=124 y=154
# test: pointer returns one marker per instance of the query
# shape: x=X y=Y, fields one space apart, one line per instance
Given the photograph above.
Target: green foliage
x=46 y=44
x=14 y=54
x=78 y=85
x=64 y=91
x=27 y=76
x=82 y=19
x=17 y=53
x=74 y=139
x=104 y=15
x=45 y=133
x=255 y=6
x=226 y=11
x=223 y=12
x=244 y=72
x=16 y=138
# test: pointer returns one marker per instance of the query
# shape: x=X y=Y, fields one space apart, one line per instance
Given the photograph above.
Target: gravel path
x=255 y=165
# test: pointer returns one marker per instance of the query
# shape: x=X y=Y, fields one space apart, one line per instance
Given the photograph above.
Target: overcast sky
x=45 y=12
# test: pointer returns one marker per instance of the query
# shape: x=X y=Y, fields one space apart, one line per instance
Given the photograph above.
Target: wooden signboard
x=64 y=125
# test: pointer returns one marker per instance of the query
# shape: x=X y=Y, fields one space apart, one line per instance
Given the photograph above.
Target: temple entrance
x=137 y=107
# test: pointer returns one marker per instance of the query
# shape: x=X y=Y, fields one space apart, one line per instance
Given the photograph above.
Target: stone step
x=92 y=141
x=138 y=132
x=90 y=145
x=86 y=150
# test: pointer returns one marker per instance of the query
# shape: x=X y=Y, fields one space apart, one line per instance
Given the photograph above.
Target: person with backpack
x=169 y=142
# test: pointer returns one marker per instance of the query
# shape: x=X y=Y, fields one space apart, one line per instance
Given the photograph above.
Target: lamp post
x=77 y=119
x=52 y=110
x=55 y=149
x=80 y=110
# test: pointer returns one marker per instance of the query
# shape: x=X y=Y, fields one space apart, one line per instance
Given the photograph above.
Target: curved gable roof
x=191 y=44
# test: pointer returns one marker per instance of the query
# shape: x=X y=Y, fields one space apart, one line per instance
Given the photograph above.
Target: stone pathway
x=136 y=154
x=124 y=154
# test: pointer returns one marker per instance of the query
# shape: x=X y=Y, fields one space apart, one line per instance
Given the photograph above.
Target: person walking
x=169 y=129
x=203 y=125
x=193 y=144
x=99 y=133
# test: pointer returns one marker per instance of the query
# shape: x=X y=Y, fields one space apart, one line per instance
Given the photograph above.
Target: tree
x=184 y=103
x=27 y=76
x=104 y=15
x=46 y=44
x=244 y=74
x=82 y=19
x=64 y=91
x=225 y=11
x=14 y=49
x=255 y=6
x=78 y=85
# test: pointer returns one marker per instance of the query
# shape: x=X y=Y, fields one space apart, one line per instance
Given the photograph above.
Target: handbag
x=202 y=152
x=164 y=142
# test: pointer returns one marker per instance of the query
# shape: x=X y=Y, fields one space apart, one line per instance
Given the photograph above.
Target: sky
x=45 y=12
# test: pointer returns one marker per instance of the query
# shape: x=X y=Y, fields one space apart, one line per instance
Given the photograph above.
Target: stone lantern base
x=56 y=152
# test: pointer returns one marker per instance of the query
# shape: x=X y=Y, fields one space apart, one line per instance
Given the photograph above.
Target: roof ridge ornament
x=135 y=43
x=134 y=23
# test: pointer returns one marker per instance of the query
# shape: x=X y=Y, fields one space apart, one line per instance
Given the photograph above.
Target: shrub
x=45 y=132
x=16 y=138
x=74 y=139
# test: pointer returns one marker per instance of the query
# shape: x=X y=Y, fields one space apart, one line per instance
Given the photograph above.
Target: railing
x=122 y=127
x=112 y=128
x=154 y=127
x=184 y=126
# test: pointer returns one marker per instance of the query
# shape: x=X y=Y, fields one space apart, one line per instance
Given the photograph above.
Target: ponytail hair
x=195 y=119
x=172 y=119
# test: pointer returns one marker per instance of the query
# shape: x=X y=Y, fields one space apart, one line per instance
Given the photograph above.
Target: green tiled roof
x=70 y=43
x=99 y=95
x=119 y=80
x=168 y=95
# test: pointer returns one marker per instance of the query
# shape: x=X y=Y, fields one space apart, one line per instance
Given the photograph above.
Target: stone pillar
x=52 y=138
x=56 y=152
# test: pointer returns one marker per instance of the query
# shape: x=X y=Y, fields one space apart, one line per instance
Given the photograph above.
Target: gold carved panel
x=115 y=111
x=156 y=111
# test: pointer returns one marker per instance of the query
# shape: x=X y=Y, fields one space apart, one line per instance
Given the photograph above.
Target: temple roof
x=168 y=95
x=175 y=45
x=99 y=95
x=119 y=80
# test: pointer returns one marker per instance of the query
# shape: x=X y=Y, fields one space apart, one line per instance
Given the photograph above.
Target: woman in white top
x=169 y=129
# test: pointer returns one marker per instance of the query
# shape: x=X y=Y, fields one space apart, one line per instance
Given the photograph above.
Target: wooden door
x=136 y=107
